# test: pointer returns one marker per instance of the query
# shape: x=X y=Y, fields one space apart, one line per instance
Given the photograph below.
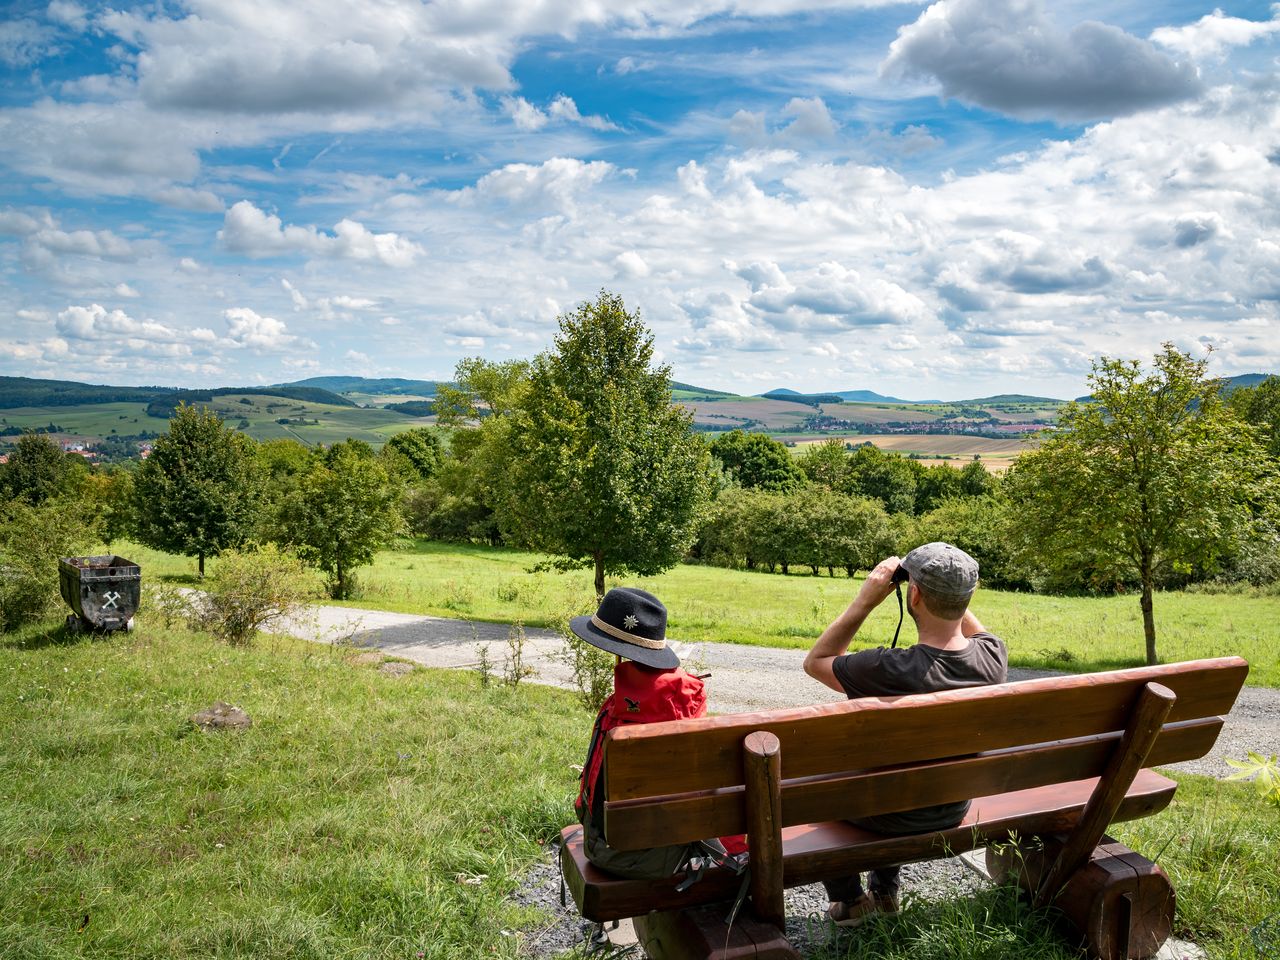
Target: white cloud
x=631 y=265
x=830 y=297
x=563 y=108
x=248 y=329
x=124 y=290
x=556 y=183
x=523 y=113
x=1214 y=33
x=1007 y=55
x=810 y=120
x=249 y=230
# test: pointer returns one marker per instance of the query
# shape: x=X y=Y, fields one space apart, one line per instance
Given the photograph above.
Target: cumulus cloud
x=256 y=233
x=829 y=297
x=247 y=328
x=556 y=183
x=561 y=109
x=1007 y=55
x=96 y=323
x=1214 y=33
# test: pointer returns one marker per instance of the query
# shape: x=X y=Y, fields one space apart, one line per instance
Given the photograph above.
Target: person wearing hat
x=952 y=650
x=648 y=687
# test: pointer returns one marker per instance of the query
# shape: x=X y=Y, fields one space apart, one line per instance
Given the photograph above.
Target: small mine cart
x=103 y=591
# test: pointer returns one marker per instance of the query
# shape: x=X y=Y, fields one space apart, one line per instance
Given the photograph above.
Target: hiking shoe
x=858 y=912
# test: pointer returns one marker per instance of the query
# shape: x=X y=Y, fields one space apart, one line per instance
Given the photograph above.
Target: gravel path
x=743 y=678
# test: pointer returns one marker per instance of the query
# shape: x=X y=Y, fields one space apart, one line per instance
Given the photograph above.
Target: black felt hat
x=631 y=623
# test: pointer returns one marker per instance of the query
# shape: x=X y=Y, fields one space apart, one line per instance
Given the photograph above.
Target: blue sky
x=942 y=201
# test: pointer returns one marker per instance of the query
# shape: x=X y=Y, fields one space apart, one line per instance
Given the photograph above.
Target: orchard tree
x=601 y=469
x=757 y=461
x=37 y=470
x=420 y=449
x=198 y=492
x=345 y=508
x=1260 y=405
x=1153 y=476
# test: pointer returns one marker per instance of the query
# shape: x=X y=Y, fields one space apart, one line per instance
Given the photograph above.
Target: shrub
x=252 y=589
x=32 y=538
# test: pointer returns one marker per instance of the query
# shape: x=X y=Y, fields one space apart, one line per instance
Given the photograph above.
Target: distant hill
x=165 y=405
x=30 y=392
x=810 y=399
x=389 y=385
x=1010 y=398
x=704 y=391
x=870 y=396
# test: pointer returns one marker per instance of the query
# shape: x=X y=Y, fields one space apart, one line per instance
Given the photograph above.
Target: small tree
x=758 y=461
x=420 y=449
x=344 y=510
x=251 y=590
x=32 y=538
x=37 y=470
x=197 y=494
x=1152 y=476
x=602 y=469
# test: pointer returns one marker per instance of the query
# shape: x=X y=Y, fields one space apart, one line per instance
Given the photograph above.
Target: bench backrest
x=683 y=780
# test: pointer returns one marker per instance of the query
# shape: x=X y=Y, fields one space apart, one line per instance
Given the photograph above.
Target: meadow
x=370 y=817
x=714 y=604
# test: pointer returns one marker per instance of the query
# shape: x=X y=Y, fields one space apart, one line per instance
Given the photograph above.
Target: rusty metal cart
x=103 y=591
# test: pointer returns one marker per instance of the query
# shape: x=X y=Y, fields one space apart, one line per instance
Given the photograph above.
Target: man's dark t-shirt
x=885 y=672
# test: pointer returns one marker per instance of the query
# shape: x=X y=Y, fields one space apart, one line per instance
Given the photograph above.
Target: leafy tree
x=826 y=464
x=458 y=502
x=32 y=538
x=344 y=510
x=420 y=448
x=198 y=492
x=757 y=461
x=110 y=493
x=601 y=469
x=887 y=477
x=483 y=389
x=979 y=527
x=1260 y=406
x=37 y=469
x=1154 y=476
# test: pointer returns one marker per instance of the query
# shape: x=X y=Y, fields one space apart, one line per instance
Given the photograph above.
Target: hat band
x=628 y=637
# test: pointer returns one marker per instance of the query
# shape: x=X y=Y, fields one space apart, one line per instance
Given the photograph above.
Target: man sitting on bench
x=952 y=650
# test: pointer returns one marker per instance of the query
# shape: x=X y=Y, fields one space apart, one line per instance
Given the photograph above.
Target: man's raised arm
x=835 y=640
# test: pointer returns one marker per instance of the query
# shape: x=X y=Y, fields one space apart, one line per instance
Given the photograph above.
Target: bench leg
x=700 y=933
x=1119 y=902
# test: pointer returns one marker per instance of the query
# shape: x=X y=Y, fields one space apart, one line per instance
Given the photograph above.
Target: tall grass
x=1078 y=634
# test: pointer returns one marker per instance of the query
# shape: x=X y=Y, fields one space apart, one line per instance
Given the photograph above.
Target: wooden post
x=762 y=773
x=1146 y=719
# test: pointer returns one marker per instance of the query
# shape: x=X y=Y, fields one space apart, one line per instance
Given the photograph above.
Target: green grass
x=1079 y=634
x=368 y=817
x=361 y=815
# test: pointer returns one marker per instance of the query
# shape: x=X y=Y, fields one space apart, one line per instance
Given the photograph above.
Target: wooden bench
x=1059 y=758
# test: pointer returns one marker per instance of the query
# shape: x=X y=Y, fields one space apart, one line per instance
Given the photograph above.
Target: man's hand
x=879 y=584
x=835 y=640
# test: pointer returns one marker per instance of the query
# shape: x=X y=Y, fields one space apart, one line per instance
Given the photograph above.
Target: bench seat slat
x=637 y=824
x=817 y=851
x=645 y=761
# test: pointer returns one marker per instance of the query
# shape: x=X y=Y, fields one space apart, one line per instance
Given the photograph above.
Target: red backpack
x=640 y=695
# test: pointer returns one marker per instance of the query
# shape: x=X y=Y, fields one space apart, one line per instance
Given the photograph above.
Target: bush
x=252 y=589
x=32 y=538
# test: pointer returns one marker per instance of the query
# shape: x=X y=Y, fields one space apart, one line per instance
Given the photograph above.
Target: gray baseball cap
x=942 y=569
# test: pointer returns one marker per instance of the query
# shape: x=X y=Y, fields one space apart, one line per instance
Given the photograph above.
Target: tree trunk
x=831 y=572
x=599 y=558
x=785 y=565
x=201 y=561
x=1148 y=617
x=848 y=568
x=342 y=581
x=815 y=569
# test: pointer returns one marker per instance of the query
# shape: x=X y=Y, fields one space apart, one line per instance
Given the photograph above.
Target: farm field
x=86 y=420
x=953 y=449
x=706 y=603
